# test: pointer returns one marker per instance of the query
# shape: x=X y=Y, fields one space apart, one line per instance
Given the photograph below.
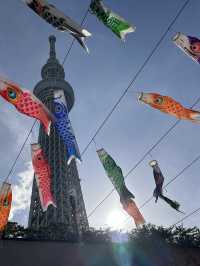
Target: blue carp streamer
x=63 y=126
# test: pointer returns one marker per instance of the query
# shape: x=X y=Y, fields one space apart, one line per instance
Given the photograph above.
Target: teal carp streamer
x=117 y=24
x=115 y=175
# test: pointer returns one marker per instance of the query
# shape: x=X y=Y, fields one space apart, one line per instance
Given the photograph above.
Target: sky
x=98 y=80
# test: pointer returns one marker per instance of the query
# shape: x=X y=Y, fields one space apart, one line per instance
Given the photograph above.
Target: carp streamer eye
x=159 y=100
x=195 y=48
x=12 y=94
x=5 y=203
x=58 y=109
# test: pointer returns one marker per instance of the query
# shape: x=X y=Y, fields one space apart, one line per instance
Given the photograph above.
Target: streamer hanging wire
x=140 y=70
x=95 y=144
x=171 y=181
x=186 y=217
x=15 y=162
x=73 y=41
x=150 y=155
x=142 y=159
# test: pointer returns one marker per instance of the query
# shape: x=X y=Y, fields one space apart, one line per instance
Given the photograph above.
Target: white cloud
x=22 y=192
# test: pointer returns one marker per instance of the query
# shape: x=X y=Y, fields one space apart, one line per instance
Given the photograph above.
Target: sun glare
x=116 y=219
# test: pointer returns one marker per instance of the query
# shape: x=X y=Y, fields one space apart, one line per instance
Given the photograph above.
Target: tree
x=96 y=236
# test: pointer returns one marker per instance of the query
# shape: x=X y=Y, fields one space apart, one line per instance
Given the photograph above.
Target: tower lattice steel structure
x=66 y=187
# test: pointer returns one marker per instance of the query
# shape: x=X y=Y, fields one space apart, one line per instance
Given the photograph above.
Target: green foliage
x=145 y=236
x=54 y=232
x=13 y=230
x=179 y=236
x=187 y=237
x=96 y=236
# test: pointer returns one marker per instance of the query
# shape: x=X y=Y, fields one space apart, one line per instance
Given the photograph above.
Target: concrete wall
x=29 y=253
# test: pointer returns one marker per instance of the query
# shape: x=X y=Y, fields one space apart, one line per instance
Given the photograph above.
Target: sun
x=115 y=219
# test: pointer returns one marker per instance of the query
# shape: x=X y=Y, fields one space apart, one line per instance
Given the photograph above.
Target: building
x=66 y=187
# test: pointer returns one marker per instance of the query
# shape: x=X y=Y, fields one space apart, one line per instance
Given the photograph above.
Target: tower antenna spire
x=52 y=70
x=52 y=42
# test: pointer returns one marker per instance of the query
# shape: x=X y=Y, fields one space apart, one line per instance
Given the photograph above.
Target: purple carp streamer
x=189 y=45
x=158 y=191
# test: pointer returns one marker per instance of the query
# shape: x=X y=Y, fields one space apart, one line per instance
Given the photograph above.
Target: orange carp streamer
x=131 y=208
x=5 y=204
x=168 y=105
x=26 y=103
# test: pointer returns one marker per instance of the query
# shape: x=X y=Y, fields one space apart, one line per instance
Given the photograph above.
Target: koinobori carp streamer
x=131 y=208
x=58 y=20
x=115 y=175
x=117 y=24
x=5 y=204
x=168 y=105
x=63 y=126
x=43 y=176
x=189 y=45
x=26 y=103
x=158 y=191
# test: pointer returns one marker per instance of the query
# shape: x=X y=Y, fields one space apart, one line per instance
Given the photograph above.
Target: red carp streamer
x=43 y=176
x=131 y=208
x=26 y=103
